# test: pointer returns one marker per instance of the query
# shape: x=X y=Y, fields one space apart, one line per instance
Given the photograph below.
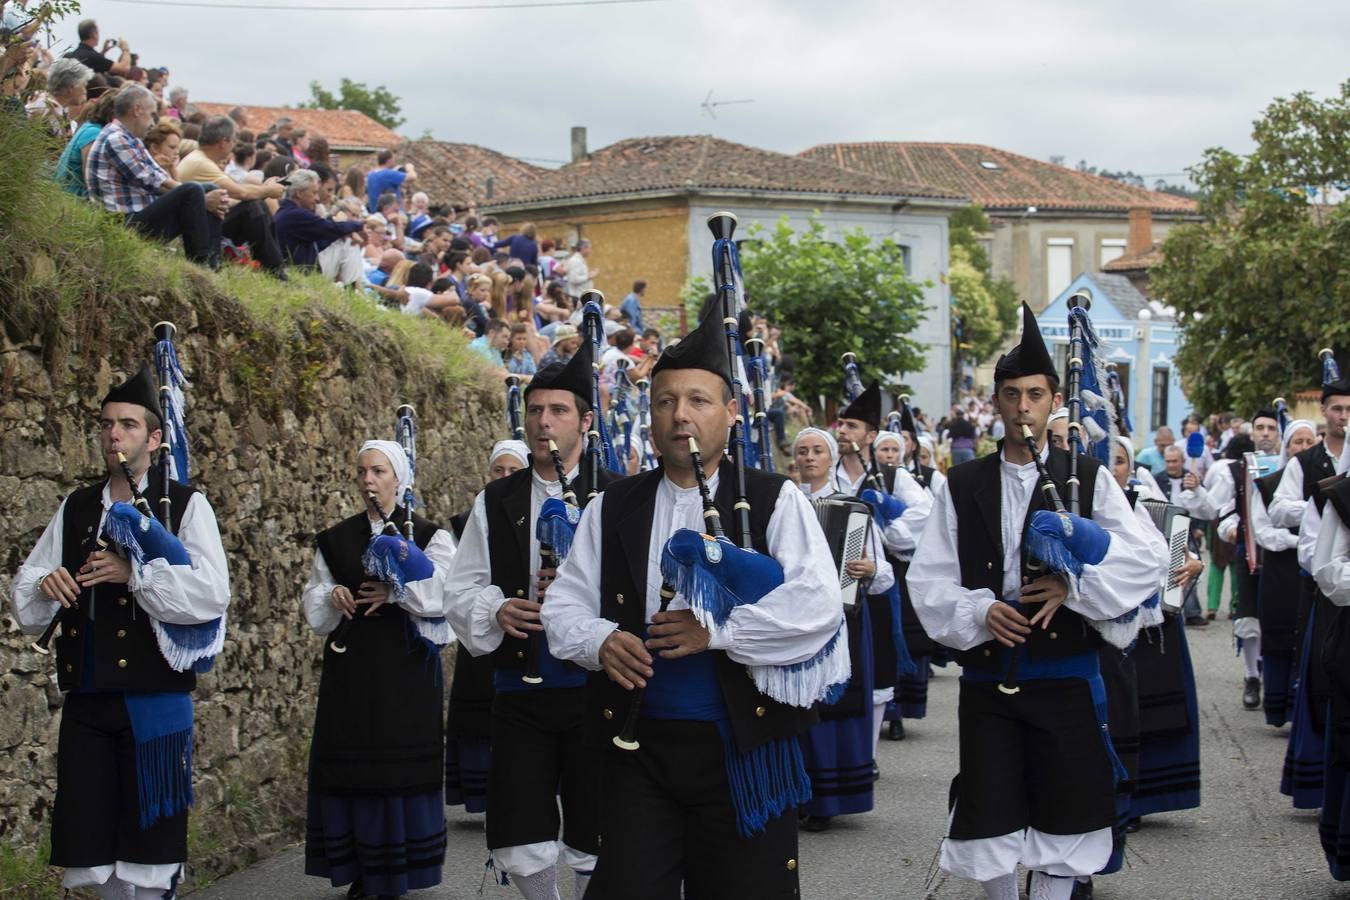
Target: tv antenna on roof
x=709 y=105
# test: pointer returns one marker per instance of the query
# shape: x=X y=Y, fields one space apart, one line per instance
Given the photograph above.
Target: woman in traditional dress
x=375 y=815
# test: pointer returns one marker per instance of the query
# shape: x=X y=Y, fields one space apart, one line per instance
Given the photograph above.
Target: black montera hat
x=139 y=389
x=1030 y=357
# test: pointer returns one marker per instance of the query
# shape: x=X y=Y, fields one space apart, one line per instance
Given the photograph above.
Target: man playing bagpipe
x=1299 y=504
x=1026 y=593
x=375 y=816
x=743 y=634
x=1234 y=525
x=1330 y=566
x=140 y=609
x=468 y=725
x=494 y=595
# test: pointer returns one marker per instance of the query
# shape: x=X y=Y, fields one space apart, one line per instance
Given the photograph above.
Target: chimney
x=488 y=185
x=578 y=142
x=1141 y=230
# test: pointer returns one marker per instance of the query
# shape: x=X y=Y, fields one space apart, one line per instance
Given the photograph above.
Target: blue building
x=1139 y=336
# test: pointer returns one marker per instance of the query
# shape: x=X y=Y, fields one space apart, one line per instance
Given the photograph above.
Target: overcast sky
x=1134 y=85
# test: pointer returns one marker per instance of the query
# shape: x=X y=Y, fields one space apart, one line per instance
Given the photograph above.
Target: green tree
x=830 y=297
x=376 y=102
x=1261 y=284
x=984 y=309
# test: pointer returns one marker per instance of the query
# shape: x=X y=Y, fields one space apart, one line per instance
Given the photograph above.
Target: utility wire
x=273 y=7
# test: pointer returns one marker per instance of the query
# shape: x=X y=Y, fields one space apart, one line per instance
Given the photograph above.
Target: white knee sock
x=1004 y=887
x=583 y=879
x=1251 y=656
x=539 y=886
x=1050 y=887
x=143 y=893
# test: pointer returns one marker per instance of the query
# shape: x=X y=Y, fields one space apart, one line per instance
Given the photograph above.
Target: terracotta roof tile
x=702 y=163
x=346 y=129
x=1144 y=259
x=995 y=179
x=457 y=174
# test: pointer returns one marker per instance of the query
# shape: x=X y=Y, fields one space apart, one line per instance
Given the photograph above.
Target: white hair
x=299 y=180
x=178 y=92
x=130 y=97
x=65 y=74
x=421 y=197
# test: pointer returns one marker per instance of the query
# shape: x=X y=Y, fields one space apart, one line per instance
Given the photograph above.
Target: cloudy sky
x=1142 y=85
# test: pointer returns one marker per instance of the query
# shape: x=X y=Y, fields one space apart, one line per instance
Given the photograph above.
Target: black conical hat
x=573 y=375
x=907 y=420
x=139 y=389
x=1030 y=357
x=703 y=348
x=866 y=407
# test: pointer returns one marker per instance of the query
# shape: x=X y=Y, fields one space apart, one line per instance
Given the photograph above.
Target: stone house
x=643 y=202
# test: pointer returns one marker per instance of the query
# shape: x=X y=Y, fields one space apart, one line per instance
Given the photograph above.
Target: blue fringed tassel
x=1051 y=551
x=700 y=588
x=818 y=679
x=765 y=782
x=556 y=533
x=192 y=647
x=161 y=725
x=166 y=360
x=381 y=567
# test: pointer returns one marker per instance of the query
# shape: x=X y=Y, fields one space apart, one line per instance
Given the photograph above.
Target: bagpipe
x=143 y=538
x=853 y=387
x=620 y=418
x=514 y=404
x=644 y=423
x=600 y=451
x=554 y=529
x=392 y=556
x=726 y=261
x=759 y=377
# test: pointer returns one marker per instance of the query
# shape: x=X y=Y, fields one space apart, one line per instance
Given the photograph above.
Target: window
x=1158 y=417
x=1058 y=266
x=1112 y=248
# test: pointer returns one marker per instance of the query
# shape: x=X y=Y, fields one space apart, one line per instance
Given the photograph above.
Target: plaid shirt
x=120 y=173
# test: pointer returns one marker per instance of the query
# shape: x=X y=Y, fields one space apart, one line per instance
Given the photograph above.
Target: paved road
x=1245 y=841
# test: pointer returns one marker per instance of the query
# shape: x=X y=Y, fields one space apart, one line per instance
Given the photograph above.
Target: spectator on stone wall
x=478 y=296
x=632 y=306
x=304 y=236
x=60 y=105
x=70 y=167
x=519 y=358
x=122 y=177
x=177 y=104
x=87 y=52
x=580 y=277
x=162 y=140
x=387 y=178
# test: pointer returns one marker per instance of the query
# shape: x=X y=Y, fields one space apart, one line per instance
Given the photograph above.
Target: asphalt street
x=1245 y=840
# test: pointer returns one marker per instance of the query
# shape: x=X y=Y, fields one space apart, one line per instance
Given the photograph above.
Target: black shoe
x=1251 y=693
x=1134 y=825
x=1196 y=622
x=896 y=732
x=356 y=892
x=816 y=823
x=1082 y=890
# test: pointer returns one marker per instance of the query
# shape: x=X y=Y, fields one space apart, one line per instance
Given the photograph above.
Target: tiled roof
x=346 y=129
x=1134 y=262
x=457 y=174
x=704 y=163
x=995 y=179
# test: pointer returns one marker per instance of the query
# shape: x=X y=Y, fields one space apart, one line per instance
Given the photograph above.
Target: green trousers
x=1214 y=587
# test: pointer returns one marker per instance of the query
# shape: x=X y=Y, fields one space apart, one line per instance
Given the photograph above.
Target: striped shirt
x=120 y=174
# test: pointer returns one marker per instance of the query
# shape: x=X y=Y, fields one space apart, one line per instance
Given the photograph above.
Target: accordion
x=845 y=521
x=1175 y=526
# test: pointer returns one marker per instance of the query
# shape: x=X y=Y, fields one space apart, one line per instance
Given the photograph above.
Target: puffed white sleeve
x=1129 y=573
x=1267 y=534
x=426 y=598
x=1331 y=558
x=901 y=535
x=189 y=594
x=471 y=599
x=316 y=598
x=952 y=614
x=1286 y=507
x=32 y=610
x=876 y=551
x=794 y=621
x=571 y=611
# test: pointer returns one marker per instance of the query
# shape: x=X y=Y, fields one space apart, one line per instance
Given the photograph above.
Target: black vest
x=1317 y=464
x=506 y=503
x=925 y=480
x=976 y=490
x=625 y=533
x=125 y=656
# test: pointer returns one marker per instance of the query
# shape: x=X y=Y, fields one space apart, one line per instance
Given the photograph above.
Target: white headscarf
x=926 y=440
x=518 y=449
x=830 y=443
x=1061 y=413
x=1289 y=435
x=398 y=461
x=885 y=436
x=1123 y=441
